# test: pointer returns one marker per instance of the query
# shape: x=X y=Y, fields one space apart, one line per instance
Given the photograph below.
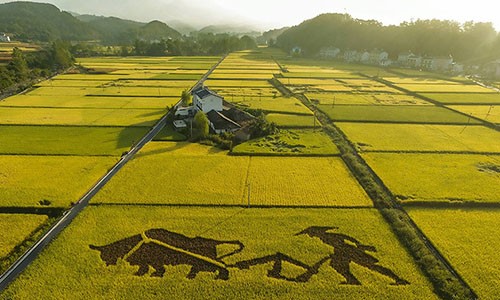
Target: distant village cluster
x=408 y=59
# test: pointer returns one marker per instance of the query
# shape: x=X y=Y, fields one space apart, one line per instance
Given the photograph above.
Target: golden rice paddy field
x=468 y=238
x=184 y=173
x=438 y=177
x=15 y=229
x=490 y=113
x=421 y=137
x=364 y=99
x=60 y=274
x=62 y=180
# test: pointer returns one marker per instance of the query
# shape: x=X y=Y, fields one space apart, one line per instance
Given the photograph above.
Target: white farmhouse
x=329 y=52
x=4 y=37
x=378 y=57
x=365 y=57
x=437 y=63
x=414 y=61
x=403 y=58
x=493 y=69
x=206 y=100
x=352 y=56
x=409 y=60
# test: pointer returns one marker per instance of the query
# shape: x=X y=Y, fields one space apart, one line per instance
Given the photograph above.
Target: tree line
x=201 y=44
x=468 y=42
x=23 y=68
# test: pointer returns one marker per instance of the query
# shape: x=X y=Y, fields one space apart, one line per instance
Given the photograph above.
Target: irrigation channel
x=31 y=254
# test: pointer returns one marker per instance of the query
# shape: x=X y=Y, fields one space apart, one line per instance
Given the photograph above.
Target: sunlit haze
x=265 y=14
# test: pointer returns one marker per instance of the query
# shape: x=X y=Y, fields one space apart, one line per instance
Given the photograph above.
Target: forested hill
x=118 y=31
x=46 y=22
x=466 y=42
x=42 y=22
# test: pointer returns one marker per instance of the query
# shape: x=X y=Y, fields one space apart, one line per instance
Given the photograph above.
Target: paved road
x=68 y=216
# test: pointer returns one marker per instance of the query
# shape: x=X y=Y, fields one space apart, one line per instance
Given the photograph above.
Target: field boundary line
x=259 y=206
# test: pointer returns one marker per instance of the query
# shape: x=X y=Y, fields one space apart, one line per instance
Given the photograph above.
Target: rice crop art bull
x=159 y=248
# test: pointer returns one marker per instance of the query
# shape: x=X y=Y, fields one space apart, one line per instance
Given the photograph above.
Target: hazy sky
x=278 y=13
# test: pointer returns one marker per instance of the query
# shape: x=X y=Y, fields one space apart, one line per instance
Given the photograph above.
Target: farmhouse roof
x=205 y=92
x=220 y=121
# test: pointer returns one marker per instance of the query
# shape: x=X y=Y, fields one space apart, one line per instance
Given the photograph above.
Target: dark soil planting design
x=158 y=248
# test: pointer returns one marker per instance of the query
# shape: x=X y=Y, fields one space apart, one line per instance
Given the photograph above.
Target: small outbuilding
x=180 y=125
x=220 y=123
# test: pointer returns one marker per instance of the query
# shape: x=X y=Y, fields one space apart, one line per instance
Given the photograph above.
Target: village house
x=352 y=56
x=206 y=100
x=329 y=52
x=378 y=57
x=222 y=116
x=4 y=37
x=493 y=69
x=375 y=57
x=365 y=57
x=409 y=60
x=414 y=61
x=441 y=64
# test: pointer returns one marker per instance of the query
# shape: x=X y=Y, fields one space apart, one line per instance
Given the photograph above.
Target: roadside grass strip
x=438 y=177
x=469 y=240
x=90 y=117
x=26 y=181
x=420 y=138
x=290 y=143
x=364 y=99
x=16 y=228
x=467 y=98
x=68 y=140
x=264 y=234
x=490 y=113
x=395 y=113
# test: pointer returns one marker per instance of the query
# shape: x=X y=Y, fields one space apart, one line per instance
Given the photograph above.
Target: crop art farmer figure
x=346 y=250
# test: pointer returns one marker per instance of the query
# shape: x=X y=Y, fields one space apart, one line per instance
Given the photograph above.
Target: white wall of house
x=4 y=38
x=352 y=56
x=210 y=102
x=329 y=52
x=365 y=57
